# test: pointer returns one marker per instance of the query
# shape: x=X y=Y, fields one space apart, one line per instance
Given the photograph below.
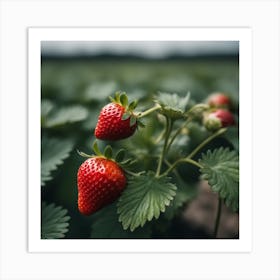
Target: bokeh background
x=76 y=80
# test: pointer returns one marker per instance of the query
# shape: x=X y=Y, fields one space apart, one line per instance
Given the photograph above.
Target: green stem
x=182 y=160
x=199 y=147
x=218 y=217
x=132 y=173
x=169 y=124
x=159 y=138
x=206 y=141
x=177 y=133
x=147 y=112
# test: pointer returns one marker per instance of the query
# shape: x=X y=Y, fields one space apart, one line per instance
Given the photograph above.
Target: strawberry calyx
x=107 y=153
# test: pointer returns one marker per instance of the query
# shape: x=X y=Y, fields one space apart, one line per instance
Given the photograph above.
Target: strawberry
x=116 y=120
x=100 y=182
x=219 y=118
x=218 y=100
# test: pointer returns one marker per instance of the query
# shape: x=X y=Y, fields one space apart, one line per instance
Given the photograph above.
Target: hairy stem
x=206 y=141
x=197 y=149
x=218 y=217
x=177 y=133
x=182 y=160
x=147 y=112
x=169 y=125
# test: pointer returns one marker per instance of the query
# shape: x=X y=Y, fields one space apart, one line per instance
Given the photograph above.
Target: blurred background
x=76 y=80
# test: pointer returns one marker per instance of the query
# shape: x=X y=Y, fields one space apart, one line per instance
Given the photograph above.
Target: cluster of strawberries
x=100 y=178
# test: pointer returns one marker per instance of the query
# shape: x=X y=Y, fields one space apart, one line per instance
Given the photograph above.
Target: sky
x=150 y=49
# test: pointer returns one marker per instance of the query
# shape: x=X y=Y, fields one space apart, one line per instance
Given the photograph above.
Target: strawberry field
x=179 y=164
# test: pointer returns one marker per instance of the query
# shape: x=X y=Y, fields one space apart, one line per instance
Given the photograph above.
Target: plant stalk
x=187 y=160
x=206 y=141
x=169 y=125
x=177 y=133
x=199 y=147
x=218 y=217
x=147 y=112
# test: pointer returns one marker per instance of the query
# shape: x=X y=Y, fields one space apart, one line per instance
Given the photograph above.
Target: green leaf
x=100 y=91
x=221 y=170
x=106 y=225
x=172 y=105
x=145 y=197
x=185 y=193
x=66 y=115
x=54 y=221
x=126 y=116
x=46 y=107
x=53 y=152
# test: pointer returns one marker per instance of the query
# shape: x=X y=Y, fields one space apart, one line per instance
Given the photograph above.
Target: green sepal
x=120 y=155
x=108 y=152
x=126 y=116
x=132 y=105
x=111 y=99
x=140 y=123
x=132 y=120
x=127 y=162
x=123 y=99
x=83 y=154
x=96 y=149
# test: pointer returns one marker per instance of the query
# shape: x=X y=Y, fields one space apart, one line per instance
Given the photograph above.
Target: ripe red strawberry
x=218 y=100
x=100 y=182
x=111 y=126
x=222 y=117
x=116 y=120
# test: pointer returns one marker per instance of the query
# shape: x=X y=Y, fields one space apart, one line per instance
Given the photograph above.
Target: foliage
x=54 y=221
x=74 y=91
x=221 y=169
x=172 y=105
x=144 y=198
x=54 y=152
x=63 y=116
x=106 y=225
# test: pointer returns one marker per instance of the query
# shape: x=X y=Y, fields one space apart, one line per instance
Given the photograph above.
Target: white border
x=36 y=35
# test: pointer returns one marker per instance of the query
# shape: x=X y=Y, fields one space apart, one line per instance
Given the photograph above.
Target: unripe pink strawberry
x=219 y=118
x=219 y=100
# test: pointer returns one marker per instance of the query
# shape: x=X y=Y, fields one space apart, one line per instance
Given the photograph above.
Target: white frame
x=262 y=16
x=243 y=35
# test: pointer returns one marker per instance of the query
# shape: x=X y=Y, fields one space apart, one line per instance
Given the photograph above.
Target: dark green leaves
x=172 y=105
x=54 y=221
x=53 y=152
x=53 y=118
x=221 y=170
x=145 y=197
x=106 y=225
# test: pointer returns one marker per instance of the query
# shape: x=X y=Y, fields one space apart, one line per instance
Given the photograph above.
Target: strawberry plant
x=146 y=194
x=151 y=151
